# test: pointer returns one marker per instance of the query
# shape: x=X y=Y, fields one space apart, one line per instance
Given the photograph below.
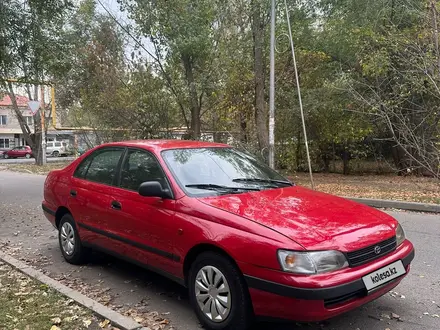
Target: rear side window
x=57 y=144
x=50 y=144
x=100 y=167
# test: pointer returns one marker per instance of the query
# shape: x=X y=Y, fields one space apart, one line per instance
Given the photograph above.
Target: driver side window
x=140 y=166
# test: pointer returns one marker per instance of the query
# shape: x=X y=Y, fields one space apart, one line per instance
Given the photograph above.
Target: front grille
x=369 y=253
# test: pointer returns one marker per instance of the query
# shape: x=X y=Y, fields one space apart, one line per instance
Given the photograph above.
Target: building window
x=4 y=143
x=29 y=120
x=3 y=120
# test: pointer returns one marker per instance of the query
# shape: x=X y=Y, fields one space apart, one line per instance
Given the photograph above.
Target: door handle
x=73 y=193
x=116 y=205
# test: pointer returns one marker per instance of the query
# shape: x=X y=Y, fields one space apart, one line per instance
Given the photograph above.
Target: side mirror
x=153 y=189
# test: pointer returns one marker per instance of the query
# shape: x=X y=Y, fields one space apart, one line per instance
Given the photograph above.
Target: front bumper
x=323 y=301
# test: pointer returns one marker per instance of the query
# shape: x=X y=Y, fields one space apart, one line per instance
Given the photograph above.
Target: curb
x=116 y=319
x=408 y=206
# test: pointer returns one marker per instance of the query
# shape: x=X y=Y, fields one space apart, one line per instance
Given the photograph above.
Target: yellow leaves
x=104 y=324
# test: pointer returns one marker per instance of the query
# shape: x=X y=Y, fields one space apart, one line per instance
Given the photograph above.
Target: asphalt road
x=25 y=233
x=50 y=159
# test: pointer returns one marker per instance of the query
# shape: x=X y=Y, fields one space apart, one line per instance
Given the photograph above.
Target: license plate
x=384 y=275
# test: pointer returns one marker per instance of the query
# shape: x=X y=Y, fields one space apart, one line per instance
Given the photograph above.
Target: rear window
x=100 y=167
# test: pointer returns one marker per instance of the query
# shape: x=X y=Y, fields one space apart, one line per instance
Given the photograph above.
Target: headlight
x=400 y=235
x=311 y=262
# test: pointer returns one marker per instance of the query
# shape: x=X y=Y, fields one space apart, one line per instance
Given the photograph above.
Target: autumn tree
x=30 y=51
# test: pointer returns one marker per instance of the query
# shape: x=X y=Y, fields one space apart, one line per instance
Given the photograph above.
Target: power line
x=127 y=31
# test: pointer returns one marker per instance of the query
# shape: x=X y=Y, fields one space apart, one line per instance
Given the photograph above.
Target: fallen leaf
x=104 y=323
x=54 y=327
x=164 y=322
x=138 y=319
x=385 y=316
x=402 y=296
x=435 y=315
x=395 y=316
x=426 y=313
x=56 y=320
x=87 y=323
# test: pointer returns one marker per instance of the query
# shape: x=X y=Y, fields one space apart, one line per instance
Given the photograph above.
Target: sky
x=121 y=16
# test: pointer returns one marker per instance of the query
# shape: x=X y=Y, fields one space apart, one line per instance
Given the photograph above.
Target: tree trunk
x=194 y=100
x=243 y=127
x=326 y=161
x=398 y=155
x=32 y=139
x=346 y=161
x=298 y=152
x=260 y=106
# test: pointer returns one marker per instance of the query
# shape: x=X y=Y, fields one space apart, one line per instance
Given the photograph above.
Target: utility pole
x=272 y=88
x=43 y=129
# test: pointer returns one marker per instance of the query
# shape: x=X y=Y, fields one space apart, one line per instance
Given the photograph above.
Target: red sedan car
x=24 y=151
x=243 y=239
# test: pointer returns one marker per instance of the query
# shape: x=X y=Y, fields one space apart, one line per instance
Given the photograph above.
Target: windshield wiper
x=216 y=187
x=272 y=181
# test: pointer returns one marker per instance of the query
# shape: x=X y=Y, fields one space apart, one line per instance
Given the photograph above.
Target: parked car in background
x=17 y=152
x=244 y=240
x=57 y=148
x=2 y=152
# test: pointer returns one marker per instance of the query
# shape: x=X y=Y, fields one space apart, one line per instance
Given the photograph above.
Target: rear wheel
x=6 y=156
x=56 y=154
x=70 y=243
x=219 y=294
x=28 y=156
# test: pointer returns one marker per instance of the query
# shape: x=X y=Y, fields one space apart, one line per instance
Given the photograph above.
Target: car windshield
x=216 y=171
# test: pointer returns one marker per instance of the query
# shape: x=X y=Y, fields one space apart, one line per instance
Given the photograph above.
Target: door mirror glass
x=153 y=189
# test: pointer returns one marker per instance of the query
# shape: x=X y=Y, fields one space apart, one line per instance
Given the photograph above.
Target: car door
x=21 y=151
x=91 y=196
x=49 y=148
x=14 y=152
x=144 y=223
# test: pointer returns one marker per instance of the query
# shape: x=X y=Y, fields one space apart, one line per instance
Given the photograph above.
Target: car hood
x=312 y=219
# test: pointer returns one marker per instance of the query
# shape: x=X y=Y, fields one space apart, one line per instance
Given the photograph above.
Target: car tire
x=28 y=156
x=56 y=154
x=74 y=253
x=5 y=156
x=234 y=293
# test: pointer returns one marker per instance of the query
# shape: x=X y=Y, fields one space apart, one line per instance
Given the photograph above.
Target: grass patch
x=393 y=187
x=34 y=169
x=28 y=304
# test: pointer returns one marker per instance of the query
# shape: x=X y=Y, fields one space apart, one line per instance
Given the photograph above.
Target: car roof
x=160 y=145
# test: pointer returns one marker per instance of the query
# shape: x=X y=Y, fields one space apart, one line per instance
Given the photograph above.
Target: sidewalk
x=46 y=303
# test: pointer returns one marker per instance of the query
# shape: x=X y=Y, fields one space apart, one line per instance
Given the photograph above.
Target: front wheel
x=56 y=154
x=6 y=156
x=219 y=294
x=70 y=243
x=28 y=156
